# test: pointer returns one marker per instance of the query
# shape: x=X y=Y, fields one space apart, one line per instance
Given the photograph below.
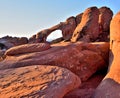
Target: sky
x=24 y=18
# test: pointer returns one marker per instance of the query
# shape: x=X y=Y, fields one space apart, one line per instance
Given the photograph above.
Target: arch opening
x=54 y=35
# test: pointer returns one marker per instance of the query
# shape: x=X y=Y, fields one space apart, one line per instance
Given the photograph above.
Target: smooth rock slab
x=83 y=59
x=27 y=48
x=37 y=81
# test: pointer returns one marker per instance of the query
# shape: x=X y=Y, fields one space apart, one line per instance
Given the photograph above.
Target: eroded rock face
x=88 y=29
x=105 y=17
x=87 y=88
x=110 y=86
x=115 y=49
x=78 y=57
x=68 y=28
x=37 y=81
x=89 y=26
x=78 y=18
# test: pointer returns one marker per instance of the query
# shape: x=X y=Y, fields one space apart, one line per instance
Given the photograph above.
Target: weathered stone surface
x=88 y=29
x=105 y=17
x=115 y=28
x=115 y=49
x=37 y=81
x=78 y=57
x=89 y=26
x=87 y=88
x=28 y=48
x=68 y=28
x=78 y=18
x=32 y=39
x=57 y=40
x=13 y=41
x=110 y=86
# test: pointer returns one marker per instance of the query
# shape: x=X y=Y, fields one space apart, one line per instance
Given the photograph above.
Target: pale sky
x=23 y=18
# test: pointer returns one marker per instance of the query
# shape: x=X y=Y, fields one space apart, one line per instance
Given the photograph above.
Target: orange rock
x=78 y=18
x=115 y=28
x=115 y=49
x=88 y=26
x=66 y=27
x=37 y=81
x=27 y=48
x=110 y=86
x=105 y=17
x=78 y=57
x=87 y=88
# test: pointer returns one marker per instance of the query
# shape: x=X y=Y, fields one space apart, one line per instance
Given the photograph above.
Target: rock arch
x=54 y=35
x=66 y=27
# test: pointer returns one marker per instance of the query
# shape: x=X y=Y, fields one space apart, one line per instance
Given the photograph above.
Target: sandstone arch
x=66 y=27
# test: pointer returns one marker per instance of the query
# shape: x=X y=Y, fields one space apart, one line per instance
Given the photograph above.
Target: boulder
x=27 y=48
x=37 y=81
x=110 y=86
x=88 y=29
x=78 y=57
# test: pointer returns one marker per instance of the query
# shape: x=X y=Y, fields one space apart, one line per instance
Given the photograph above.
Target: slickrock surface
x=37 y=81
x=78 y=57
x=28 y=48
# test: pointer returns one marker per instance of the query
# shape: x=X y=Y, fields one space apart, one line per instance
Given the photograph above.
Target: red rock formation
x=91 y=25
x=105 y=17
x=37 y=81
x=13 y=41
x=88 y=29
x=26 y=70
x=104 y=23
x=78 y=57
x=66 y=27
x=115 y=49
x=78 y=18
x=87 y=88
x=28 y=48
x=110 y=86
